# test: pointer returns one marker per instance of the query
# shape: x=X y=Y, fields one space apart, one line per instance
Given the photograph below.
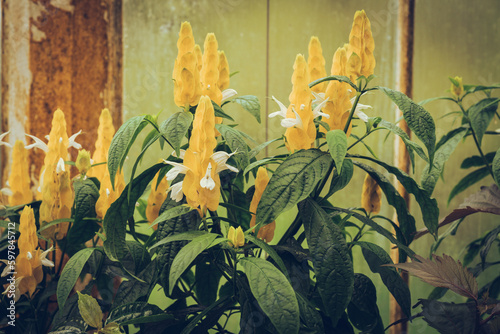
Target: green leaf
x=175 y=128
x=309 y=315
x=468 y=181
x=406 y=221
x=250 y=103
x=337 y=145
x=495 y=167
x=450 y=318
x=340 y=78
x=376 y=257
x=86 y=196
x=292 y=181
x=481 y=114
x=477 y=160
x=444 y=150
x=120 y=211
x=362 y=309
x=174 y=212
x=330 y=256
x=90 y=310
x=217 y=111
x=185 y=236
x=137 y=313
x=339 y=182
x=236 y=143
x=274 y=294
x=419 y=120
x=428 y=206
x=187 y=255
x=260 y=147
x=194 y=321
x=121 y=143
x=259 y=163
x=70 y=274
x=272 y=253
x=207 y=277
x=131 y=290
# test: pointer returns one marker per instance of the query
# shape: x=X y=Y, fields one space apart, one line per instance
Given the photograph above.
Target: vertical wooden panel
x=60 y=54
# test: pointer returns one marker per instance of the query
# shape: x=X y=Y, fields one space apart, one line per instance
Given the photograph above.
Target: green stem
x=323 y=182
x=351 y=114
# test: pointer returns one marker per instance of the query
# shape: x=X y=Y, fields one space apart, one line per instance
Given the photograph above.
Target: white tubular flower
x=228 y=93
x=72 y=142
x=6 y=191
x=38 y=144
x=43 y=257
x=290 y=122
x=181 y=154
x=176 y=191
x=3 y=142
x=178 y=169
x=220 y=159
x=281 y=112
x=108 y=192
x=318 y=97
x=207 y=182
x=60 y=166
x=359 y=110
x=317 y=110
x=40 y=184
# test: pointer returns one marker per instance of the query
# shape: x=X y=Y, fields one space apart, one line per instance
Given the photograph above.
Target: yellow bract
x=300 y=136
x=457 y=91
x=19 y=178
x=316 y=64
x=156 y=198
x=236 y=237
x=371 y=195
x=361 y=42
x=266 y=232
x=223 y=82
x=339 y=104
x=105 y=133
x=198 y=158
x=187 y=88
x=57 y=193
x=106 y=193
x=210 y=70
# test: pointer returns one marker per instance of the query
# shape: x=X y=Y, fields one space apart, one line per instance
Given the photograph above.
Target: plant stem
x=351 y=114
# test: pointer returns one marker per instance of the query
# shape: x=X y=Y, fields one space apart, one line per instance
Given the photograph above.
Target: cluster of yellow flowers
x=332 y=101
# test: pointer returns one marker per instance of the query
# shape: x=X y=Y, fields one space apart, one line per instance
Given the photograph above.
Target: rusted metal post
x=59 y=54
x=406 y=22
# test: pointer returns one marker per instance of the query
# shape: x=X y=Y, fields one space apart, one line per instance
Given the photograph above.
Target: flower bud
x=83 y=161
x=236 y=237
x=371 y=196
x=457 y=88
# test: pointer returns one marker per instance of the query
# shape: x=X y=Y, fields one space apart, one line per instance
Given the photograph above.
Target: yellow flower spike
x=236 y=237
x=156 y=198
x=223 y=82
x=186 y=93
x=106 y=193
x=19 y=178
x=361 y=42
x=316 y=64
x=28 y=240
x=199 y=56
x=371 y=195
x=337 y=94
x=303 y=133
x=56 y=191
x=105 y=133
x=210 y=69
x=83 y=161
x=266 y=232
x=457 y=91
x=201 y=184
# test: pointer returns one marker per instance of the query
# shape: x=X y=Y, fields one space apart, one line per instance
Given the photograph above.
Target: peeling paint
x=63 y=5
x=36 y=34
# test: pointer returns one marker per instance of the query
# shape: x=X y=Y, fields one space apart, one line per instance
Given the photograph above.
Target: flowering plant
x=214 y=208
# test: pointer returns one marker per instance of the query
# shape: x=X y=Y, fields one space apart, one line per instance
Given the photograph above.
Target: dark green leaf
x=236 y=142
x=337 y=145
x=481 y=114
x=70 y=274
x=450 y=318
x=293 y=181
x=362 y=309
x=272 y=253
x=406 y=221
x=477 y=160
x=171 y=213
x=120 y=211
x=187 y=255
x=131 y=290
x=309 y=316
x=136 y=313
x=175 y=128
x=428 y=206
x=220 y=113
x=468 y=181
x=207 y=277
x=376 y=257
x=419 y=120
x=330 y=257
x=121 y=143
x=340 y=181
x=495 y=166
x=443 y=152
x=259 y=163
x=487 y=242
x=259 y=148
x=250 y=103
x=274 y=294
